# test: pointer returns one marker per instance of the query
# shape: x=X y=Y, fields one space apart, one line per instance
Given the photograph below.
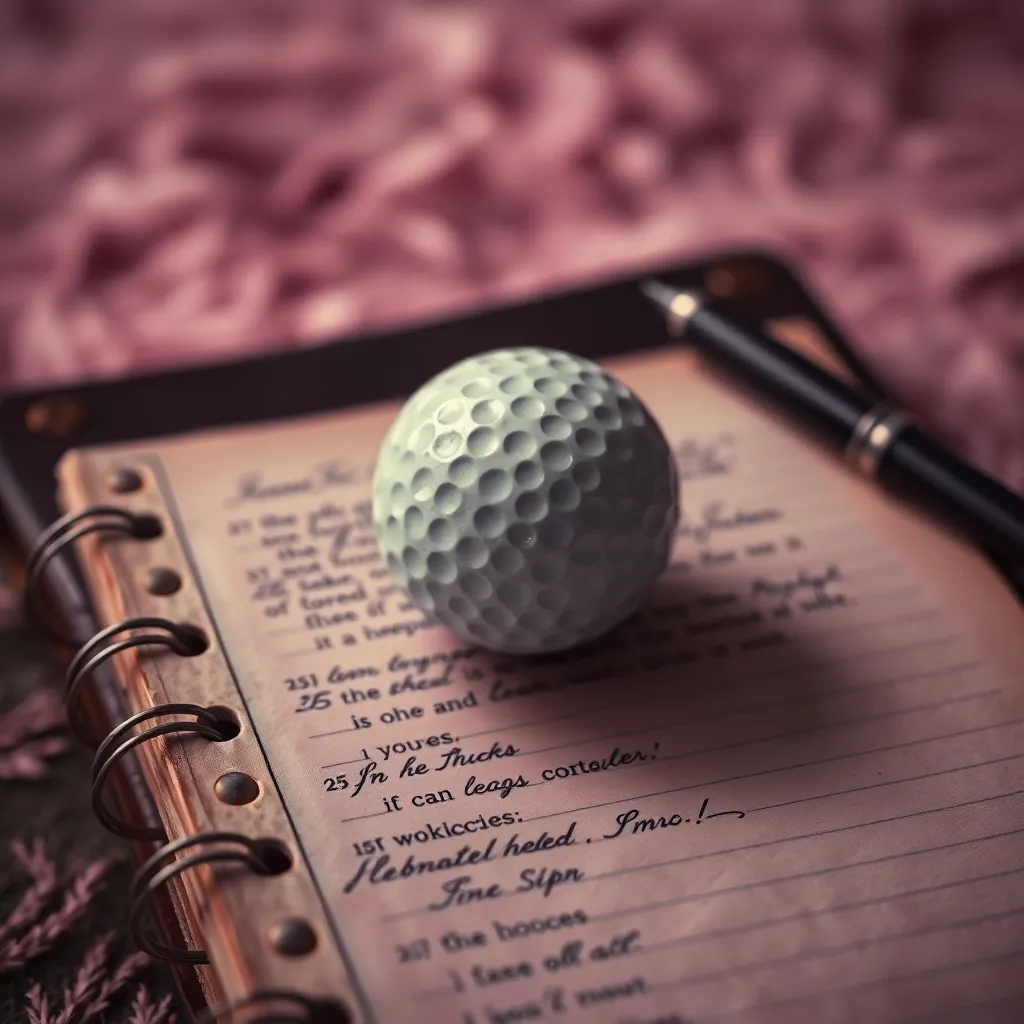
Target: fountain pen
x=876 y=438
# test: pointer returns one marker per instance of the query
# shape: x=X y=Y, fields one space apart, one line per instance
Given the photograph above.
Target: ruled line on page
x=684 y=559
x=815 y=628
x=916 y=615
x=815 y=834
x=924 y=972
x=889 y=593
x=662 y=759
x=820 y=796
x=333 y=732
x=761 y=773
x=338 y=764
x=760 y=883
x=799 y=876
x=839 y=525
x=839 y=691
x=809 y=730
x=891 y=782
x=835 y=908
x=820 y=952
x=927 y=644
x=363 y=817
x=834 y=693
x=875 y=572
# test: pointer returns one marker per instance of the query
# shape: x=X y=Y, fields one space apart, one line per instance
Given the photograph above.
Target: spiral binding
x=164 y=865
x=66 y=530
x=309 y=1011
x=182 y=639
x=115 y=746
x=155 y=872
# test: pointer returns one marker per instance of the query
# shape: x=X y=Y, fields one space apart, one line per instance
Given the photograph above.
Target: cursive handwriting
x=805 y=580
x=696 y=457
x=716 y=518
x=380 y=870
x=654 y=824
x=460 y=891
x=616 y=759
x=254 y=487
x=421 y=663
x=459 y=758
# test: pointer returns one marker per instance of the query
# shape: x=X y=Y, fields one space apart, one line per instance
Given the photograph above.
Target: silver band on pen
x=680 y=309
x=875 y=433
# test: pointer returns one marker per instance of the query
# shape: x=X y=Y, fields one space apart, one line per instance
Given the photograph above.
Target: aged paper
x=789 y=790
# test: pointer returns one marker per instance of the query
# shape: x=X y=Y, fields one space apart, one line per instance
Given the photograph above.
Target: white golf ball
x=526 y=500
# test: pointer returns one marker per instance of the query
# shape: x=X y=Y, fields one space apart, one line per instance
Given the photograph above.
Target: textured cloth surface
x=45 y=808
x=186 y=180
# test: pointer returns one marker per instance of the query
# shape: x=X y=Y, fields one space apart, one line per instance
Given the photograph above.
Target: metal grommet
x=116 y=745
x=236 y=788
x=156 y=871
x=125 y=481
x=293 y=936
x=162 y=581
x=60 y=416
x=179 y=638
x=68 y=529
x=740 y=278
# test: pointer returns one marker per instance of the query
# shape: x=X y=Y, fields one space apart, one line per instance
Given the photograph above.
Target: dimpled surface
x=526 y=500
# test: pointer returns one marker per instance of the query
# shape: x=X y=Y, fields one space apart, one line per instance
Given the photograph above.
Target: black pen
x=876 y=438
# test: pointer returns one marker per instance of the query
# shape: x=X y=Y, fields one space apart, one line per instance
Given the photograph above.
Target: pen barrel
x=806 y=392
x=929 y=473
x=901 y=456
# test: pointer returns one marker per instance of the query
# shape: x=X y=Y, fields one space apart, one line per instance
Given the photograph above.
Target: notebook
x=788 y=789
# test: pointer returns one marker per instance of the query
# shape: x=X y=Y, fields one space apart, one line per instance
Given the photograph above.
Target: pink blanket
x=185 y=180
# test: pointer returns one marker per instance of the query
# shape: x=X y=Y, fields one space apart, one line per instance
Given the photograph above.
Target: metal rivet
x=721 y=282
x=736 y=278
x=124 y=481
x=163 y=581
x=236 y=788
x=55 y=416
x=293 y=936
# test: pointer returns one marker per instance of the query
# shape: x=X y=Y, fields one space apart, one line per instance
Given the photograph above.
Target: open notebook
x=790 y=789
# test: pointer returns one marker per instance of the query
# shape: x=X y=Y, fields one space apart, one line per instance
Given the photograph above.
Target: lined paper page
x=790 y=789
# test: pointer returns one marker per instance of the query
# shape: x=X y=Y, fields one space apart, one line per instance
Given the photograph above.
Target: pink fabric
x=185 y=180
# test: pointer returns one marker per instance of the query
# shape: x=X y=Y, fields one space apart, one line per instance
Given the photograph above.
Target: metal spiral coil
x=65 y=531
x=119 y=742
x=274 y=1006
x=156 y=871
x=184 y=640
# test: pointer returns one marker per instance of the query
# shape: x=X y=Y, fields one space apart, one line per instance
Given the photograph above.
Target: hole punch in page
x=790 y=788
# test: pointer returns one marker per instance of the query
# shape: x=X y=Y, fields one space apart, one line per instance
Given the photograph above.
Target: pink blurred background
x=185 y=180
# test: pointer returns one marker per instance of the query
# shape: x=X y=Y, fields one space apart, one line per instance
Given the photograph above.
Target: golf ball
x=526 y=500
